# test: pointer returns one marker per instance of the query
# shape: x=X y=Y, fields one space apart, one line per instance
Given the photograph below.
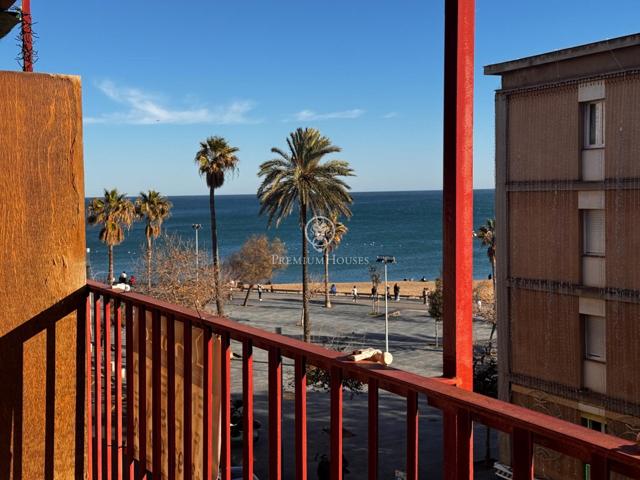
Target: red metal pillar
x=458 y=191
x=458 y=223
x=27 y=37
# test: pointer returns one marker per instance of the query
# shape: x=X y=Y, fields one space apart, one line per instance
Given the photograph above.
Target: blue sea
x=407 y=225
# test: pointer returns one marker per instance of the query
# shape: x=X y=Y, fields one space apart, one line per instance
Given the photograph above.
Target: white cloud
x=145 y=109
x=310 y=115
x=390 y=115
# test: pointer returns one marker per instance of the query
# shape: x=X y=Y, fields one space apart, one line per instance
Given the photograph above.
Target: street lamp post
x=196 y=227
x=386 y=259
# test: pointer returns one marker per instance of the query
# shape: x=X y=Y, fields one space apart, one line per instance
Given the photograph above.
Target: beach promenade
x=349 y=326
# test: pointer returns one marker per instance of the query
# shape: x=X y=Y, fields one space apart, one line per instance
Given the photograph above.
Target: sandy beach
x=407 y=288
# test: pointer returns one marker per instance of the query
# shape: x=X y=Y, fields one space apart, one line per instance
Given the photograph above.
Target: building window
x=595 y=338
x=594 y=124
x=593 y=220
x=599 y=425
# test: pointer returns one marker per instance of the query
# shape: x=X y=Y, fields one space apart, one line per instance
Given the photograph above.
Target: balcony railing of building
x=110 y=318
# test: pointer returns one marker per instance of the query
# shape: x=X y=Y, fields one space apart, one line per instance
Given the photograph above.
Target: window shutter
x=594 y=232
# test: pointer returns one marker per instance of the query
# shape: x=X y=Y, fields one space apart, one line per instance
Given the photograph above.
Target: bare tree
x=174 y=274
x=256 y=261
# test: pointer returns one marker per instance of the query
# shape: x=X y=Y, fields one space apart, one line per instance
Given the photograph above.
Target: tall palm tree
x=114 y=212
x=339 y=231
x=487 y=236
x=298 y=177
x=215 y=159
x=155 y=209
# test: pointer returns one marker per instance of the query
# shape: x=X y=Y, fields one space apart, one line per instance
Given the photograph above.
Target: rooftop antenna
x=27 y=37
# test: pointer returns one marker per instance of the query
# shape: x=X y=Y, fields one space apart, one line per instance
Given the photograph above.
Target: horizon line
x=253 y=194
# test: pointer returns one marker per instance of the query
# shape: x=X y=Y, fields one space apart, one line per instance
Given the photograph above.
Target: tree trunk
x=246 y=297
x=327 y=299
x=495 y=299
x=149 y=262
x=110 y=273
x=214 y=251
x=306 y=327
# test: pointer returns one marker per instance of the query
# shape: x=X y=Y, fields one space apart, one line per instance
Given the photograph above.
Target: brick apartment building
x=568 y=239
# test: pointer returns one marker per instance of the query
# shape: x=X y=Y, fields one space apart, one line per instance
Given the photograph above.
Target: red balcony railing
x=112 y=433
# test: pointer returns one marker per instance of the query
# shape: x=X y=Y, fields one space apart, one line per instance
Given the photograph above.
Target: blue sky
x=158 y=78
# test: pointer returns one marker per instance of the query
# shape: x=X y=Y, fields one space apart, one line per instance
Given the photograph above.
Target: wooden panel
x=545 y=235
x=544 y=136
x=538 y=320
x=42 y=241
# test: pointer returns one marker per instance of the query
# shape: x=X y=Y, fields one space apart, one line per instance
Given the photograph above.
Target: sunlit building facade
x=568 y=239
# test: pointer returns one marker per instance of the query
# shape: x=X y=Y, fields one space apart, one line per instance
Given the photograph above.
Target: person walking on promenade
x=425 y=294
x=388 y=294
x=259 y=292
x=354 y=293
x=396 y=292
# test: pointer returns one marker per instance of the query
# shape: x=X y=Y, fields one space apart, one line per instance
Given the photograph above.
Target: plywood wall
x=42 y=249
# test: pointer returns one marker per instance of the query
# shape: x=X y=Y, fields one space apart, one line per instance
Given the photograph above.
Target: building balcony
x=128 y=361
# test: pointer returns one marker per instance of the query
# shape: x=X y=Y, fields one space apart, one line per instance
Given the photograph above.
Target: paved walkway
x=347 y=326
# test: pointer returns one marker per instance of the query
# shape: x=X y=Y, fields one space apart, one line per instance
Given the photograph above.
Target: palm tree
x=487 y=236
x=113 y=212
x=215 y=159
x=155 y=208
x=299 y=178
x=339 y=231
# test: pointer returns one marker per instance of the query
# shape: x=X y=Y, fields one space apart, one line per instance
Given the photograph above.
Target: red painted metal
x=188 y=378
x=207 y=417
x=88 y=382
x=171 y=395
x=301 y=417
x=247 y=408
x=598 y=468
x=118 y=375
x=458 y=191
x=27 y=37
x=275 y=414
x=156 y=390
x=412 y=436
x=336 y=423
x=142 y=389
x=225 y=406
x=372 y=434
x=458 y=203
x=130 y=387
x=108 y=405
x=522 y=448
x=566 y=438
x=464 y=448
x=98 y=385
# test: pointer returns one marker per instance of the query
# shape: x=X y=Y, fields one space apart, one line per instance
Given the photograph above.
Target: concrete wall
x=622 y=127
x=42 y=240
x=545 y=336
x=544 y=135
x=623 y=238
x=623 y=351
x=544 y=235
x=595 y=64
